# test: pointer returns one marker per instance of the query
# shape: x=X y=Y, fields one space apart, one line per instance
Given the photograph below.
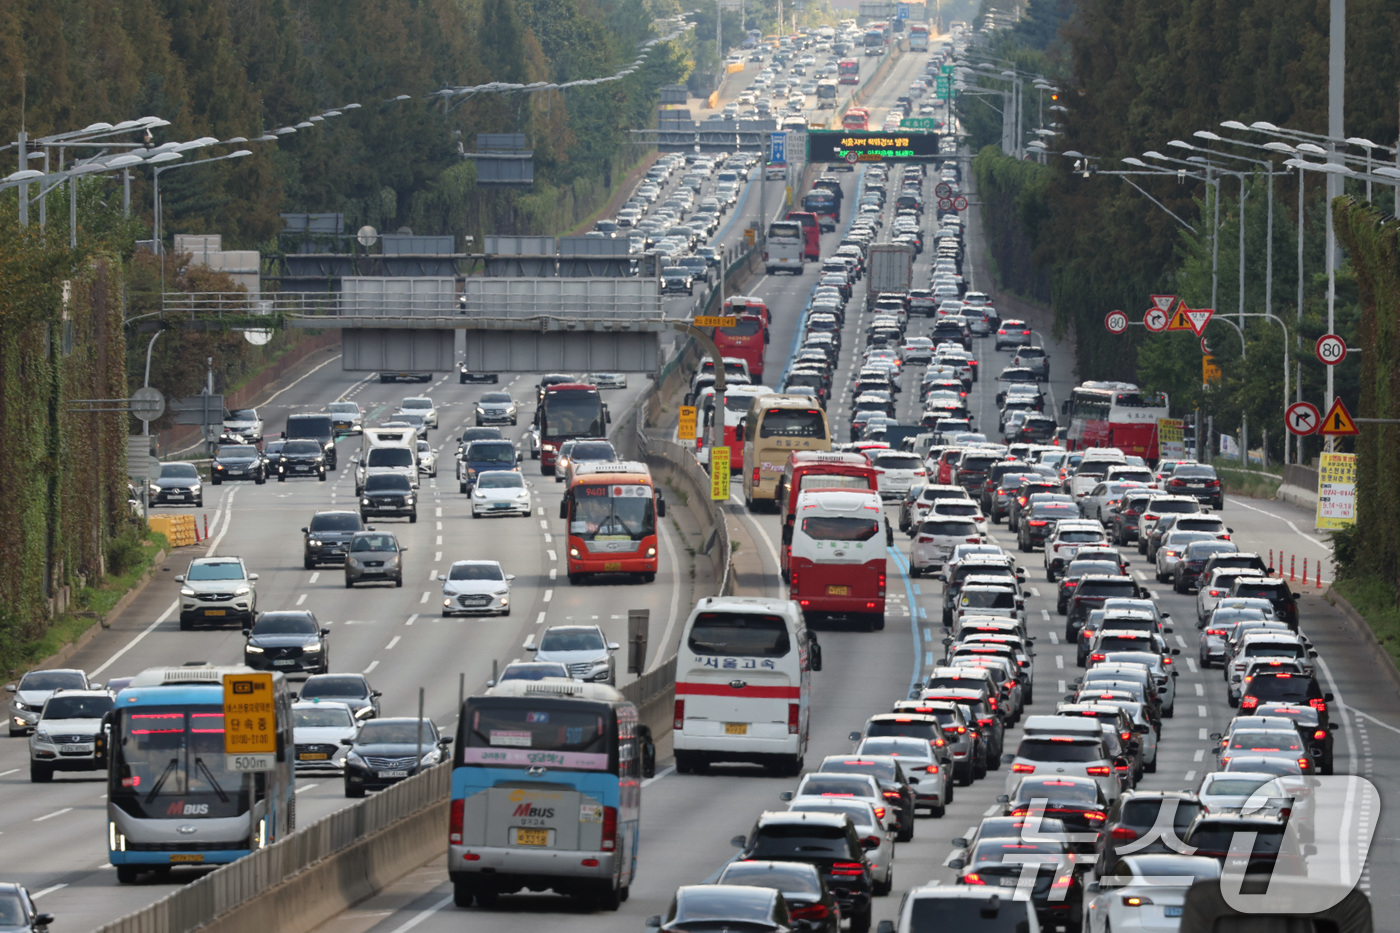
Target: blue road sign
x=777 y=149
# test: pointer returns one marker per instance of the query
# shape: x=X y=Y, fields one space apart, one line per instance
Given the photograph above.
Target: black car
x=1056 y=892
x=479 y=434
x=18 y=913
x=465 y=375
x=1193 y=560
x=328 y=535
x=886 y=771
x=238 y=462
x=178 y=484
x=272 y=453
x=724 y=906
x=825 y=840
x=1282 y=687
x=385 y=751
x=1090 y=594
x=1132 y=817
x=1312 y=722
x=290 y=641
x=316 y=426
x=1124 y=519
x=1243 y=560
x=1198 y=480
x=388 y=494
x=301 y=458
x=811 y=906
x=351 y=689
x=1035 y=527
x=1276 y=591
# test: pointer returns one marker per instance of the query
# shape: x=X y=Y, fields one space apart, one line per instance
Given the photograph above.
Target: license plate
x=175 y=495
x=393 y=774
x=736 y=728
x=500 y=505
x=613 y=565
x=312 y=756
x=838 y=591
x=1171 y=911
x=187 y=858
x=74 y=749
x=1009 y=882
x=531 y=837
x=214 y=612
x=283 y=662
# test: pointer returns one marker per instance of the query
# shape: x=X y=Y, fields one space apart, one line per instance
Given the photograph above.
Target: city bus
x=546 y=793
x=775 y=426
x=172 y=799
x=611 y=510
x=918 y=37
x=568 y=411
x=876 y=35
x=847 y=71
x=856 y=118
x=808 y=469
x=825 y=205
x=826 y=91
x=1115 y=414
x=737 y=399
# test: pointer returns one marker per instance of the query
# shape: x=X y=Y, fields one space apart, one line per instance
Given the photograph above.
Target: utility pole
x=1336 y=87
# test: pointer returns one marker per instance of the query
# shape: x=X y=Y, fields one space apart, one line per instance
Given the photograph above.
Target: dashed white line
x=301 y=599
x=372 y=666
x=1202 y=712
x=547 y=538
x=540 y=620
x=553 y=572
x=1054 y=638
x=548 y=595
x=49 y=816
x=1200 y=690
x=1204 y=734
x=392 y=642
x=1189 y=776
x=303 y=787
x=1191 y=665
x=544 y=524
x=315 y=576
x=439 y=511
x=1035 y=592
x=1200 y=754
x=426 y=596
x=439 y=540
x=552 y=556
x=411 y=619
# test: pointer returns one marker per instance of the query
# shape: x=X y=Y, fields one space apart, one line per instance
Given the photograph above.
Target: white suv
x=1066 y=540
x=217 y=589
x=65 y=738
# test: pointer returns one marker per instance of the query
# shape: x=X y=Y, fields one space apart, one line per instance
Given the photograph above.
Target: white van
x=784 y=248
x=387 y=450
x=743 y=684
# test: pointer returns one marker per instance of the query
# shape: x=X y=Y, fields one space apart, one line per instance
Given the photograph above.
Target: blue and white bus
x=171 y=799
x=546 y=793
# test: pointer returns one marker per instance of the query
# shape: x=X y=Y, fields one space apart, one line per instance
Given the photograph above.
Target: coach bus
x=611 y=510
x=173 y=798
x=568 y=411
x=546 y=793
x=918 y=37
x=1115 y=414
x=848 y=71
x=777 y=425
x=737 y=399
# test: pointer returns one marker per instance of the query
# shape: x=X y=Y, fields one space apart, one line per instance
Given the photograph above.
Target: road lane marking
x=1200 y=754
x=1189 y=776
x=303 y=787
x=544 y=524
x=49 y=816
x=315 y=576
x=411 y=619
x=1204 y=734
x=392 y=642
x=1202 y=712
x=1062 y=688
x=539 y=621
x=301 y=599
x=553 y=572
x=439 y=526
x=993 y=810
x=1054 y=638
x=552 y=556
x=426 y=597
x=422 y=915
x=658 y=776
x=548 y=595
x=1035 y=592
x=9 y=772
x=1059 y=662
x=439 y=540
x=372 y=666
x=1200 y=690
x=1045 y=614
x=1191 y=665
x=438 y=558
x=439 y=512
x=49 y=890
x=1180 y=642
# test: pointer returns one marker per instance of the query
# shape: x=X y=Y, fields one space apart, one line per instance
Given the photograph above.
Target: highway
x=55 y=842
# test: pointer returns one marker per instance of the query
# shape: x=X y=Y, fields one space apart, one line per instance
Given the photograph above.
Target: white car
x=606 y=380
x=959 y=508
x=427 y=459
x=1221 y=791
x=935 y=539
x=244 y=423
x=65 y=738
x=1065 y=541
x=476 y=586
x=896 y=471
x=500 y=492
x=1141 y=895
x=217 y=589
x=421 y=405
x=317 y=728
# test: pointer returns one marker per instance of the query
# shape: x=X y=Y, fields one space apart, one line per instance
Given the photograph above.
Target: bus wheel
x=462 y=894
x=126 y=874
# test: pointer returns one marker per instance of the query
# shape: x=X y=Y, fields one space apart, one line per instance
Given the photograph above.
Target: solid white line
x=290 y=385
x=49 y=890
x=49 y=816
x=9 y=772
x=1306 y=537
x=422 y=915
x=674 y=610
x=392 y=642
x=658 y=776
x=308 y=786
x=372 y=666
x=314 y=577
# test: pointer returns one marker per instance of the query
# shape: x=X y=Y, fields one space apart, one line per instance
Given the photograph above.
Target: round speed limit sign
x=943 y=189
x=945 y=204
x=1116 y=322
x=1331 y=349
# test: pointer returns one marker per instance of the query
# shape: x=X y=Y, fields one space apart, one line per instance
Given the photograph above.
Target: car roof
x=798 y=817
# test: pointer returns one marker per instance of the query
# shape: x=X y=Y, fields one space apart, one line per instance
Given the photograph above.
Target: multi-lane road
x=52 y=837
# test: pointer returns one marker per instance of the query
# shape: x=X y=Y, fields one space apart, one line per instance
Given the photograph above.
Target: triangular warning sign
x=1180 y=321
x=1199 y=317
x=1338 y=421
x=1164 y=302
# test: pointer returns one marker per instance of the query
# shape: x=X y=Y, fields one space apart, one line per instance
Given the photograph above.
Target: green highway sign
x=918 y=123
x=946 y=70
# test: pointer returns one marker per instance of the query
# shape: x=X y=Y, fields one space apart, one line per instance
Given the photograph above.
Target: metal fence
x=222 y=890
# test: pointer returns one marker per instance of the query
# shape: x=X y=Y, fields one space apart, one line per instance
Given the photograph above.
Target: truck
x=890 y=268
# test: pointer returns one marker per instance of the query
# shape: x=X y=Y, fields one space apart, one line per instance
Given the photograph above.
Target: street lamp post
x=156 y=204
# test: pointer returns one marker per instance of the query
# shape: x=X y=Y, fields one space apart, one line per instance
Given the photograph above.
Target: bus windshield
x=572 y=413
x=781 y=422
x=170 y=762
x=508 y=733
x=612 y=512
x=832 y=481
x=840 y=528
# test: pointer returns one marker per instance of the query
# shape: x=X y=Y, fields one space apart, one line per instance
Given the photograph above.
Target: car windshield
x=802 y=841
x=345 y=408
x=375 y=542
x=335 y=686
x=1055 y=748
x=74 y=707
x=343 y=521
x=324 y=717
x=243 y=414
x=491 y=453
x=412 y=403
x=791 y=878
x=500 y=479
x=496 y=398
x=1081 y=791
x=1012 y=851
x=237 y=452
x=389 y=457
x=387 y=482
x=985 y=915
x=533 y=670
x=221 y=570
x=395 y=732
x=949 y=529
x=593 y=451
x=588 y=639
x=285 y=623
x=481 y=571
x=179 y=471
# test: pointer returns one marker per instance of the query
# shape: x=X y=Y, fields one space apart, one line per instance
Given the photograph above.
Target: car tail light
x=1320 y=734
x=1248 y=702
x=810 y=912
x=1038 y=523
x=1022 y=769
x=1097 y=657
x=1062 y=882
x=1317 y=704
x=1215 y=631
x=794 y=710
x=879 y=811
x=609 y=829
x=1071 y=583
x=1125 y=736
x=847 y=869
x=1176 y=482
x=1305 y=763
x=1124 y=833
x=1097 y=770
x=454 y=822
x=765 y=255
x=972 y=877
x=974 y=540
x=679 y=716
x=1136 y=901
x=1215 y=592
x=1166 y=660
x=961 y=729
x=1026 y=332
x=1212 y=482
x=756 y=476
x=1122 y=767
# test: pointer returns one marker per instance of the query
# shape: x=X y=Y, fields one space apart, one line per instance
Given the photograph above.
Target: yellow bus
x=775 y=427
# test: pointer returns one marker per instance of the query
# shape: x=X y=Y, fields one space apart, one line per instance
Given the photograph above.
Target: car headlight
x=314 y=542
x=312 y=649
x=366 y=502
x=478 y=494
x=186 y=591
x=242 y=591
x=505 y=592
x=446 y=603
x=651 y=552
x=407 y=500
x=364 y=711
x=352 y=561
x=218 y=466
x=480 y=410
x=573 y=552
x=432 y=757
x=252 y=649
x=354 y=759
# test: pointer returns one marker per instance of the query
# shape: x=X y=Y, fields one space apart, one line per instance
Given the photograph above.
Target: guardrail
x=224 y=889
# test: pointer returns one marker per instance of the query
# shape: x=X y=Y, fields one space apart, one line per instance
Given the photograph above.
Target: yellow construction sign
x=704 y=320
x=689 y=417
x=250 y=714
x=719 y=473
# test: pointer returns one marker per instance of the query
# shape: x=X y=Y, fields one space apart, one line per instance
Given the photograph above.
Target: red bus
x=568 y=411
x=737 y=400
x=611 y=511
x=837 y=561
x=856 y=118
x=739 y=305
x=817 y=469
x=746 y=340
x=848 y=70
x=1115 y=414
x=811 y=233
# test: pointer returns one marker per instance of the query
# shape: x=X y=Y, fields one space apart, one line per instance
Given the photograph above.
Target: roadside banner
x=1336 y=491
x=1171 y=439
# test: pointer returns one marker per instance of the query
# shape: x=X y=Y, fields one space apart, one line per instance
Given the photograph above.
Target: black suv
x=1198 y=480
x=238 y=462
x=1090 y=594
x=1276 y=591
x=290 y=641
x=319 y=427
x=1132 y=817
x=1283 y=687
x=1123 y=520
x=301 y=458
x=1193 y=560
x=1312 y=722
x=826 y=840
x=388 y=494
x=326 y=538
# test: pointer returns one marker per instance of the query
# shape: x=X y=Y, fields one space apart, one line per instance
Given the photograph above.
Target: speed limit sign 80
x=1331 y=349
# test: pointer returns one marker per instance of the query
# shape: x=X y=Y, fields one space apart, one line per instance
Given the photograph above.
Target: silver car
x=496 y=408
x=581 y=648
x=34 y=690
x=930 y=777
x=317 y=730
x=374 y=555
x=421 y=405
x=427 y=459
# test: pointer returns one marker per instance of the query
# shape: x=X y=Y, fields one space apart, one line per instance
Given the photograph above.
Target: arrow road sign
x=1331 y=349
x=1155 y=320
x=1303 y=418
x=1198 y=318
x=1338 y=422
x=1116 y=322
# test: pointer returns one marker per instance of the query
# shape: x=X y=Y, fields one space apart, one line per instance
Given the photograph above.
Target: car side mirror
x=252 y=578
x=304 y=530
x=1176 y=652
x=519 y=457
x=1230 y=530
x=376 y=694
x=347 y=741
x=10 y=687
x=442 y=576
x=445 y=740
x=1332 y=727
x=956 y=864
x=815 y=656
x=532 y=647
x=43 y=920
x=325 y=631
x=885 y=926
x=613 y=646
x=854 y=736
x=1142 y=729
x=1201 y=624
x=1091 y=887
x=247 y=632
x=660 y=507
x=1327 y=698
x=180 y=578
x=1003 y=798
